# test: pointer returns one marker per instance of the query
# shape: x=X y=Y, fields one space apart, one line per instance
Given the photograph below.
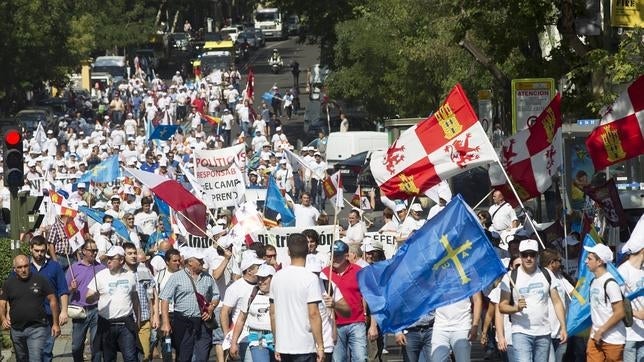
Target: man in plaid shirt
x=58 y=244
x=145 y=287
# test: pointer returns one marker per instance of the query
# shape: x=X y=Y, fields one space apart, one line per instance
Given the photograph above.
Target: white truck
x=271 y=21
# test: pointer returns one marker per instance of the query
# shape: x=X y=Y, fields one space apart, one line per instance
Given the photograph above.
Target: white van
x=342 y=145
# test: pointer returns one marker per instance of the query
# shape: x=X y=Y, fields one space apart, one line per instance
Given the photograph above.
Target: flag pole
x=564 y=198
x=335 y=229
x=483 y=199
x=527 y=216
x=198 y=227
x=361 y=211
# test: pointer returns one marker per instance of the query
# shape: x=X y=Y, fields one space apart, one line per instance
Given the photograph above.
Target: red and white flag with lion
x=445 y=144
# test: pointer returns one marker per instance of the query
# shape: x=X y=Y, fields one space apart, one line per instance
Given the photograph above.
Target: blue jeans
x=530 y=348
x=351 y=344
x=419 y=345
x=79 y=334
x=119 y=338
x=443 y=342
x=261 y=354
x=634 y=351
x=29 y=342
x=557 y=350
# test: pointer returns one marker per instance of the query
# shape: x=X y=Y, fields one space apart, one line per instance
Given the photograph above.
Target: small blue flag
x=117 y=224
x=164 y=132
x=164 y=213
x=106 y=171
x=578 y=313
x=268 y=97
x=276 y=202
x=448 y=259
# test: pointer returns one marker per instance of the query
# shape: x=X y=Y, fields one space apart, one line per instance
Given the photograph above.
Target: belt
x=420 y=328
x=262 y=331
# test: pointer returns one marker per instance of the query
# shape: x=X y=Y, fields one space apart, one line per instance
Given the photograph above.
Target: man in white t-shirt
x=551 y=260
x=526 y=298
x=294 y=308
x=118 y=302
x=235 y=295
x=608 y=332
x=503 y=215
x=305 y=214
x=633 y=274
x=455 y=327
x=356 y=230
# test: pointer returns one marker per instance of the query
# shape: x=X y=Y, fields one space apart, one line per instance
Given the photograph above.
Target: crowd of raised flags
x=442 y=261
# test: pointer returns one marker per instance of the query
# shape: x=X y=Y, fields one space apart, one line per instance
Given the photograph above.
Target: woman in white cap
x=255 y=318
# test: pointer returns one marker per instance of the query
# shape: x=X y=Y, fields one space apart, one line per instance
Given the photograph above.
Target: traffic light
x=14 y=161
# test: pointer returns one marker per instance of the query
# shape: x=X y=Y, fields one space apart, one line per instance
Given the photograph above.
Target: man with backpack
x=524 y=295
x=608 y=332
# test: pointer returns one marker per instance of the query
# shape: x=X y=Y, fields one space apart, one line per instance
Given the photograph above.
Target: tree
x=401 y=57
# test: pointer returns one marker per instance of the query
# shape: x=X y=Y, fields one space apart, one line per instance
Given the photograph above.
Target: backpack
x=628 y=309
x=513 y=276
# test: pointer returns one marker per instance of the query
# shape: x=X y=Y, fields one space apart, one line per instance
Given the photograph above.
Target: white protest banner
x=388 y=240
x=221 y=174
x=277 y=236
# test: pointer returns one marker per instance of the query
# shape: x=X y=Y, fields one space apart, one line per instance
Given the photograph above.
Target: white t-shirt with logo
x=601 y=308
x=634 y=279
x=236 y=293
x=533 y=319
x=114 y=291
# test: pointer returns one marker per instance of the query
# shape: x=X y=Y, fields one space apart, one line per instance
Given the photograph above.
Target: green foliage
x=400 y=57
x=6 y=257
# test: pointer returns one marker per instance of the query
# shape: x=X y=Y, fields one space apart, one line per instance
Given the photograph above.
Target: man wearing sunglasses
x=526 y=299
x=79 y=276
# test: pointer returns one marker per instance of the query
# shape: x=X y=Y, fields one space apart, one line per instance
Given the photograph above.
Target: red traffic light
x=12 y=137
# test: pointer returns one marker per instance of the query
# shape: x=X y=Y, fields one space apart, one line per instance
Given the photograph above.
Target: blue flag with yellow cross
x=448 y=259
x=106 y=171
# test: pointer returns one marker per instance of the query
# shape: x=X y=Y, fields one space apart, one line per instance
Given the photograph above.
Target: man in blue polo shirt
x=53 y=272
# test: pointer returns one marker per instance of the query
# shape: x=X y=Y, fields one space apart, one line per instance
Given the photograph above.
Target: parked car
x=112 y=64
x=232 y=32
x=261 y=38
x=293 y=25
x=29 y=118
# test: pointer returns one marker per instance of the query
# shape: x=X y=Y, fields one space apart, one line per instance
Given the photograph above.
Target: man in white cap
x=412 y=222
x=279 y=138
x=103 y=243
x=51 y=144
x=80 y=194
x=236 y=293
x=284 y=177
x=524 y=295
x=226 y=126
x=608 y=332
x=118 y=307
x=633 y=274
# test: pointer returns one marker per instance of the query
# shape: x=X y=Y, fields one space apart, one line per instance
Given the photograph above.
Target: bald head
x=21 y=266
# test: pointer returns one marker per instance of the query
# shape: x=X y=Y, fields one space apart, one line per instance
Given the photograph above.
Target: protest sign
x=221 y=174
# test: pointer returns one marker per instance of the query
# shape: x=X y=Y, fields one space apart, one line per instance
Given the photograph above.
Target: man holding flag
x=524 y=295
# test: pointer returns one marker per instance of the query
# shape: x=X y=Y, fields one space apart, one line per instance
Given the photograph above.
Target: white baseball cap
x=249 y=258
x=529 y=245
x=114 y=251
x=265 y=270
x=602 y=251
x=416 y=207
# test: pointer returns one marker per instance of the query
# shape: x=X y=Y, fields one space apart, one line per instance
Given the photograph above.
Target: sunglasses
x=271 y=255
x=529 y=255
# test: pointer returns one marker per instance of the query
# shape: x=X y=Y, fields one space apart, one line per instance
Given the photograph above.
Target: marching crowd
x=150 y=297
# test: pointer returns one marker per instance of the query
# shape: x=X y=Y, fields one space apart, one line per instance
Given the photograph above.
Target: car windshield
x=265 y=16
x=179 y=36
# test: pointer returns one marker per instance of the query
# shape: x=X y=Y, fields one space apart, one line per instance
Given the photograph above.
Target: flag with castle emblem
x=448 y=142
x=531 y=157
x=620 y=135
x=448 y=259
